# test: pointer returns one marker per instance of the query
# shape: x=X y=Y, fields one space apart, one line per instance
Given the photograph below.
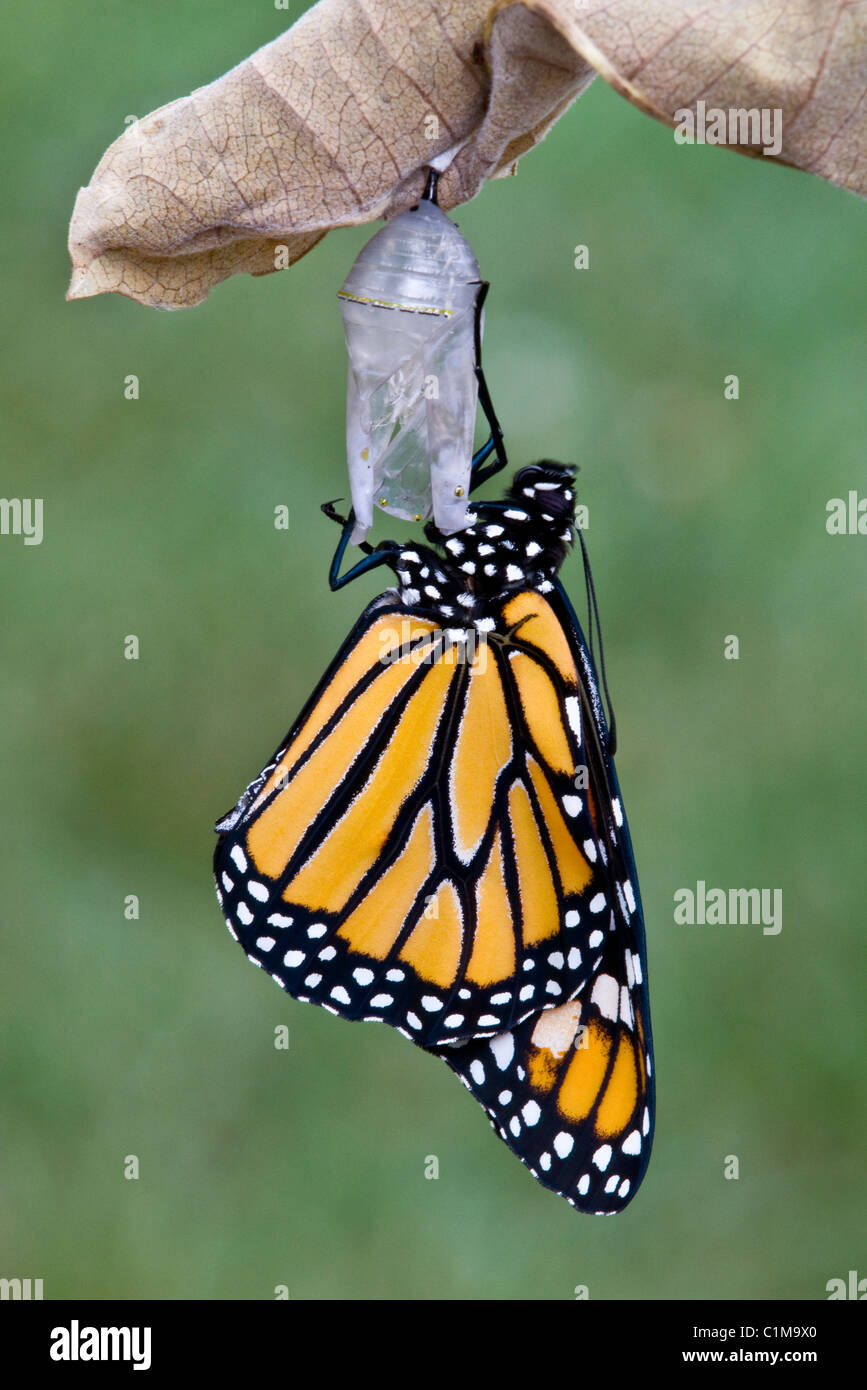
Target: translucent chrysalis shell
x=408 y=308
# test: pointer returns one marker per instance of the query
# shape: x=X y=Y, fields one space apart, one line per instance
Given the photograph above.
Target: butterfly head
x=547 y=490
x=545 y=493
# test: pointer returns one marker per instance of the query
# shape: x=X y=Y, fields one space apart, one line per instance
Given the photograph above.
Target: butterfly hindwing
x=570 y=1092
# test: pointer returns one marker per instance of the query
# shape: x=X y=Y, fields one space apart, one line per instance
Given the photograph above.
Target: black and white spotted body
x=507 y=547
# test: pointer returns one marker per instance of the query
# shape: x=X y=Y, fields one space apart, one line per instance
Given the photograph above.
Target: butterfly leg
x=480 y=473
x=382 y=554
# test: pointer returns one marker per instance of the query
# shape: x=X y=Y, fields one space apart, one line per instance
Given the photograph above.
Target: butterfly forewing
x=417 y=850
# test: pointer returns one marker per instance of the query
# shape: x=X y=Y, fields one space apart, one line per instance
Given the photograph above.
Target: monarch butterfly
x=439 y=842
x=417 y=851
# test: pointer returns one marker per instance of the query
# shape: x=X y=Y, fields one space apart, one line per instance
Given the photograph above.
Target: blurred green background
x=707 y=518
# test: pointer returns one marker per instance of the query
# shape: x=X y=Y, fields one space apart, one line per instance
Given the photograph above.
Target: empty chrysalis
x=410 y=306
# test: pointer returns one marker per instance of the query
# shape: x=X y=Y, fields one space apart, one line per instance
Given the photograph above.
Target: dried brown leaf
x=333 y=122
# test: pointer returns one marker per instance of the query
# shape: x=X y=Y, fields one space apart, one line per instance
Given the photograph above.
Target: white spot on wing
x=630 y=973
x=503 y=1048
x=606 y=996
x=626 y=1007
x=632 y=1143
x=563 y=1144
x=556 y=1028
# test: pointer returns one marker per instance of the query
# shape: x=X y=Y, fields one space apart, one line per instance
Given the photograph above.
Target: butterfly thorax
x=507 y=546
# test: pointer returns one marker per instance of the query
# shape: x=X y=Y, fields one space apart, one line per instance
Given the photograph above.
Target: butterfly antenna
x=588 y=587
x=593 y=615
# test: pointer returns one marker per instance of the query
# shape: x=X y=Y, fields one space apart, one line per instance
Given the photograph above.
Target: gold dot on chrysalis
x=459 y=492
x=383 y=501
x=417 y=516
